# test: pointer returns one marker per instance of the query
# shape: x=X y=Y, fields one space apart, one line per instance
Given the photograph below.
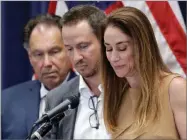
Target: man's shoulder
x=69 y=85
x=57 y=95
x=18 y=93
x=21 y=86
x=73 y=82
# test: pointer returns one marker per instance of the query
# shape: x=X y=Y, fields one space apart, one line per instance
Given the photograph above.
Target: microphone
x=46 y=127
x=70 y=103
x=41 y=131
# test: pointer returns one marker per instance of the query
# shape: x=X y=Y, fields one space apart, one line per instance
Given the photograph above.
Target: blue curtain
x=15 y=63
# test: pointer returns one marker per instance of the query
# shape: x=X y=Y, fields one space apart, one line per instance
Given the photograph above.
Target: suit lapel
x=33 y=104
x=67 y=125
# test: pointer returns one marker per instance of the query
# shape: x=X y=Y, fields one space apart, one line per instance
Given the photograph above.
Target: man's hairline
x=70 y=24
x=26 y=44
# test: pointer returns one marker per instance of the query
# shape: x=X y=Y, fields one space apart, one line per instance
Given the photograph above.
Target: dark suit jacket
x=58 y=95
x=20 y=109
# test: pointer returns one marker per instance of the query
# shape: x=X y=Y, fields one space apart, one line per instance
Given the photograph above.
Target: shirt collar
x=85 y=91
x=83 y=88
x=43 y=91
x=100 y=87
x=67 y=77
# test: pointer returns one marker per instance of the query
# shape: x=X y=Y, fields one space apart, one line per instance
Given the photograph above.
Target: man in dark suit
x=82 y=39
x=23 y=104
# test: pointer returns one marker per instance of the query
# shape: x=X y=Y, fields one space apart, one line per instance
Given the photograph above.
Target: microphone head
x=74 y=100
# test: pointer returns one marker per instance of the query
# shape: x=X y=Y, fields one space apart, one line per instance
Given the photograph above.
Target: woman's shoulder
x=170 y=78
x=177 y=93
x=177 y=89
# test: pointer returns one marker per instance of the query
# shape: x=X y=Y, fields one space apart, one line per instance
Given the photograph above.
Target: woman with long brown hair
x=142 y=97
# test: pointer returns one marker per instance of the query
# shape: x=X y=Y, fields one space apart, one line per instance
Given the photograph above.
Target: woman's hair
x=148 y=64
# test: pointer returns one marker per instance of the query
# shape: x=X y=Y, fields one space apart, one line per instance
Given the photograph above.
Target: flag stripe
x=175 y=7
x=171 y=30
x=61 y=8
x=167 y=55
x=52 y=7
x=114 y=6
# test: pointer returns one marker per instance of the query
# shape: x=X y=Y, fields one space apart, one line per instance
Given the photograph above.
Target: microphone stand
x=46 y=127
x=55 y=121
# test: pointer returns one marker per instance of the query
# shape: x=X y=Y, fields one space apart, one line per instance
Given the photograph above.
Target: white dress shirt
x=43 y=93
x=83 y=130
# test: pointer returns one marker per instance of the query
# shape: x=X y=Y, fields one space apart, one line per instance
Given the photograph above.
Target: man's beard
x=92 y=72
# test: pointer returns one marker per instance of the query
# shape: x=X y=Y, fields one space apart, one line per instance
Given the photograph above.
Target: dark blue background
x=15 y=63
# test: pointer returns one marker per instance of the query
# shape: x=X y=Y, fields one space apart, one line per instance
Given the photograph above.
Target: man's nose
x=77 y=56
x=47 y=61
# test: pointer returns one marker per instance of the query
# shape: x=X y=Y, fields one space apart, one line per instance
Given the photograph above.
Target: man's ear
x=30 y=57
x=34 y=77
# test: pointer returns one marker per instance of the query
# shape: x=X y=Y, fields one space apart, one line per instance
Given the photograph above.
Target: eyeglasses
x=93 y=107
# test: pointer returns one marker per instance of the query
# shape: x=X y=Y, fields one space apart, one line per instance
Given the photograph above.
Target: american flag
x=166 y=19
